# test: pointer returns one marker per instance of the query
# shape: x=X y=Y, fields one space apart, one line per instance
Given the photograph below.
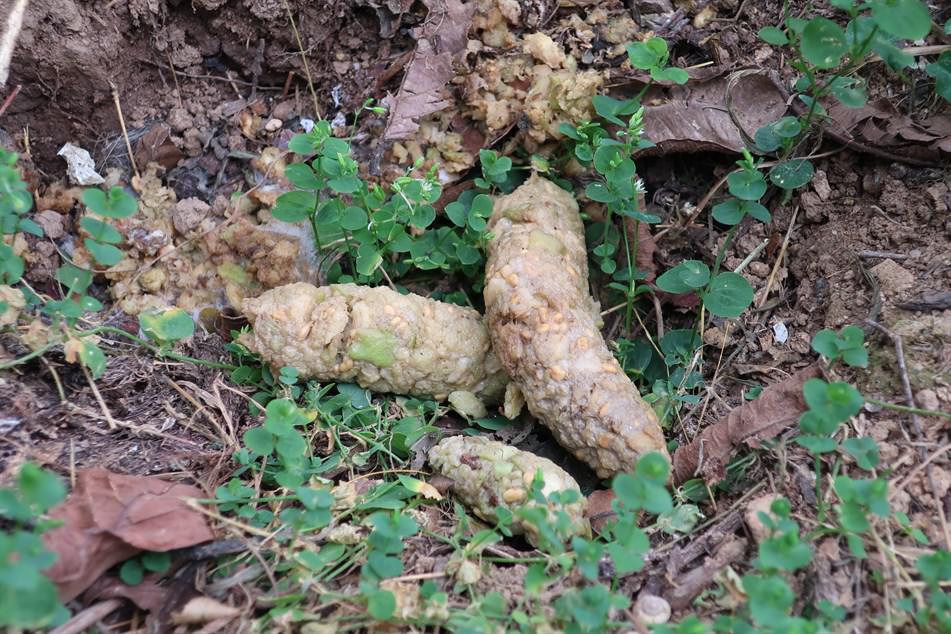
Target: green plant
x=28 y=599
x=385 y=232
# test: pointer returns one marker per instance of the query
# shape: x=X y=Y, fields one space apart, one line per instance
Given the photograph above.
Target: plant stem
x=28 y=357
x=909 y=410
x=156 y=350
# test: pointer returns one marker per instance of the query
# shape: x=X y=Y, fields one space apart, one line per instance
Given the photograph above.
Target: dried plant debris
x=379 y=339
x=545 y=328
x=487 y=474
x=881 y=125
x=441 y=39
x=778 y=406
x=110 y=517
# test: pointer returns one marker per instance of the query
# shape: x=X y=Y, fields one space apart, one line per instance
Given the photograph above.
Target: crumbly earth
x=544 y=327
x=379 y=339
x=487 y=474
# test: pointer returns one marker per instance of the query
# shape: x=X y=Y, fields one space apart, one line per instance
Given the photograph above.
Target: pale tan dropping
x=379 y=339
x=545 y=326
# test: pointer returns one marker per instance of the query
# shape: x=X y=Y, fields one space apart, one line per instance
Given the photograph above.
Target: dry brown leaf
x=779 y=405
x=204 y=610
x=599 y=510
x=881 y=125
x=423 y=91
x=109 y=517
x=714 y=111
x=147 y=596
x=155 y=146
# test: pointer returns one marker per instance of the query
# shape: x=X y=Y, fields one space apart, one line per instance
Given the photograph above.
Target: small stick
x=882 y=254
x=88 y=617
x=10 y=98
x=752 y=256
x=916 y=422
x=779 y=258
x=125 y=133
x=9 y=40
x=303 y=56
x=178 y=87
x=102 y=403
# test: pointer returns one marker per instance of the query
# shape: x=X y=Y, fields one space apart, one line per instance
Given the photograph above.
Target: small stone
x=751 y=515
x=52 y=223
x=273 y=125
x=759 y=269
x=820 y=184
x=812 y=205
x=928 y=399
x=893 y=277
x=188 y=214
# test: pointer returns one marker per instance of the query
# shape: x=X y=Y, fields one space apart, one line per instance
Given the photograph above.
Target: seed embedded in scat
x=633 y=443
x=557 y=373
x=582 y=343
x=389 y=310
x=609 y=368
x=512 y=279
x=511 y=496
x=603 y=409
x=506 y=270
x=305 y=330
x=604 y=441
x=558 y=318
x=542 y=313
x=395 y=321
x=543 y=327
x=528 y=477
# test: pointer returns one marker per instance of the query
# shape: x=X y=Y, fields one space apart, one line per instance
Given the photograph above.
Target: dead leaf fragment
x=439 y=40
x=110 y=517
x=204 y=610
x=599 y=509
x=779 y=405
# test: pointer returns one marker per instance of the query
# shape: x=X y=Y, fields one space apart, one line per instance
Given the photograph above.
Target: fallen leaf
x=423 y=90
x=147 y=596
x=715 y=111
x=203 y=610
x=599 y=509
x=779 y=405
x=155 y=146
x=880 y=125
x=110 y=517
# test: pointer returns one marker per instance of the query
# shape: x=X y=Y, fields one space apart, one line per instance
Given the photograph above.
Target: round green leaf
x=941 y=71
x=302 y=176
x=907 y=19
x=729 y=212
x=774 y=36
x=792 y=174
x=766 y=138
x=353 y=218
x=171 y=325
x=101 y=231
x=103 y=254
x=729 y=295
x=687 y=276
x=259 y=441
x=747 y=184
x=381 y=604
x=823 y=43
x=131 y=572
x=295 y=206
x=850 y=91
x=864 y=450
x=674 y=74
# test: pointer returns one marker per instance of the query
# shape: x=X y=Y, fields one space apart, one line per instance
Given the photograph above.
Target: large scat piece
x=379 y=339
x=487 y=474
x=544 y=326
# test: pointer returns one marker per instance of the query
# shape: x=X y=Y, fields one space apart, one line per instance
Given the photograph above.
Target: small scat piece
x=379 y=339
x=545 y=328
x=487 y=474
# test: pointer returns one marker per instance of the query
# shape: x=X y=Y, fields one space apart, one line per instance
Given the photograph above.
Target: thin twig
x=88 y=617
x=9 y=40
x=102 y=403
x=916 y=423
x=779 y=259
x=125 y=132
x=303 y=56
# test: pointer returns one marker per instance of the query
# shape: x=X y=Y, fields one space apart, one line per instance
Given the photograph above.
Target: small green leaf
x=823 y=43
x=168 y=326
x=40 y=487
x=93 y=358
x=103 y=254
x=687 y=276
x=294 y=206
x=864 y=450
x=131 y=572
x=647 y=55
x=792 y=174
x=729 y=294
x=101 y=231
x=354 y=218
x=674 y=74
x=259 y=441
x=941 y=71
x=769 y=598
x=156 y=562
x=747 y=184
x=850 y=91
x=302 y=176
x=774 y=36
x=907 y=19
